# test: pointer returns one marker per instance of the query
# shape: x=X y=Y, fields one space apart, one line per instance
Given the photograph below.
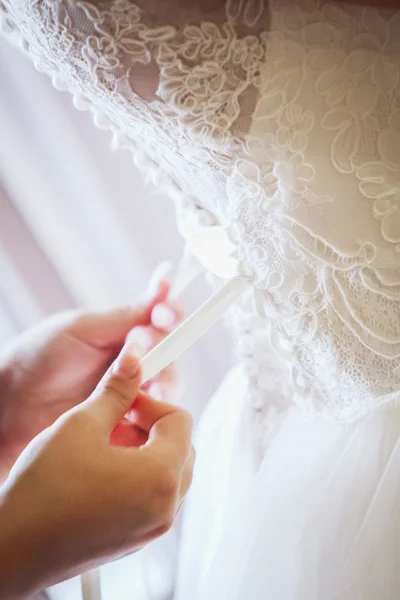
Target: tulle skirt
x=318 y=519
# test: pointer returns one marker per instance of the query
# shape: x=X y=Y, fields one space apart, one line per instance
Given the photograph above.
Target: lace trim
x=310 y=195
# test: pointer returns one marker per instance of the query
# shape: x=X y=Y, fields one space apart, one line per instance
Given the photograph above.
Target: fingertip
x=163 y=290
x=159 y=284
x=140 y=336
x=163 y=316
x=127 y=364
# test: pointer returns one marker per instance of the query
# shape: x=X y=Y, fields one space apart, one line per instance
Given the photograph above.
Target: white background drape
x=79 y=227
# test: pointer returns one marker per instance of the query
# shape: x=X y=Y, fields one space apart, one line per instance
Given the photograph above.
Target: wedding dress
x=278 y=122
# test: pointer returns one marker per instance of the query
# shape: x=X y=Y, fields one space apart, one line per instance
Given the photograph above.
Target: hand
x=73 y=500
x=168 y=385
x=57 y=365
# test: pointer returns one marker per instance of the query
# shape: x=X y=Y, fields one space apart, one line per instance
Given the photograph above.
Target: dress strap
x=192 y=328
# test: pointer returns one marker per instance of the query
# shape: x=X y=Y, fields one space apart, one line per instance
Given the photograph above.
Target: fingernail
x=160 y=272
x=163 y=316
x=141 y=338
x=156 y=392
x=127 y=363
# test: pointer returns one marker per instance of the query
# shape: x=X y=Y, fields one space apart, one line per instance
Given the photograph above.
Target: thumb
x=117 y=391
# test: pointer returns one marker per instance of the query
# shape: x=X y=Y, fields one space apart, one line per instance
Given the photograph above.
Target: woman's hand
x=56 y=365
x=168 y=385
x=75 y=500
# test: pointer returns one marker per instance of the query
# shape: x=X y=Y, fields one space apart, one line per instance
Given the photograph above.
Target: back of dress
x=279 y=120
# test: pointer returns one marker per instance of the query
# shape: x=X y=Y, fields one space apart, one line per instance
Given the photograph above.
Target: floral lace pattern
x=317 y=213
x=281 y=121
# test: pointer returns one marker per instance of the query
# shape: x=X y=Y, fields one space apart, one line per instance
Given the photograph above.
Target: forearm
x=23 y=545
x=22 y=549
x=5 y=391
x=376 y=3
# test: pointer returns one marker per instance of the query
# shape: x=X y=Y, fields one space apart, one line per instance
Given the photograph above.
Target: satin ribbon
x=214 y=251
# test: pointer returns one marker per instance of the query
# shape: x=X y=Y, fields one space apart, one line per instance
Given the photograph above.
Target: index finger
x=107 y=329
x=170 y=439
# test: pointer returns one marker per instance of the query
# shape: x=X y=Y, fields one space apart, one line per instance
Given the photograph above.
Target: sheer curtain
x=79 y=227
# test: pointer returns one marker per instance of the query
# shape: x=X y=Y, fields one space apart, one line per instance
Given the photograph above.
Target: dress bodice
x=279 y=121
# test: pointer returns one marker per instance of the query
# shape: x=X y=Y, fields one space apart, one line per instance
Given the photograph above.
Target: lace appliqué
x=330 y=286
x=280 y=121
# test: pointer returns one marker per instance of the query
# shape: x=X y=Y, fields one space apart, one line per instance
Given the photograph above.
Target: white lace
x=282 y=123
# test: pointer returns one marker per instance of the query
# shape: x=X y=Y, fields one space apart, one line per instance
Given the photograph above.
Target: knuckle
x=189 y=477
x=186 y=418
x=166 y=485
x=190 y=463
x=112 y=388
x=164 y=496
x=188 y=473
x=165 y=526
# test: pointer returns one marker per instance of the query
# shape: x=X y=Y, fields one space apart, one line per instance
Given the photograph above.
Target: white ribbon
x=214 y=251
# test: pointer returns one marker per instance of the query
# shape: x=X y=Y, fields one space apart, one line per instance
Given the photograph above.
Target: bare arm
x=74 y=499
x=377 y=3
